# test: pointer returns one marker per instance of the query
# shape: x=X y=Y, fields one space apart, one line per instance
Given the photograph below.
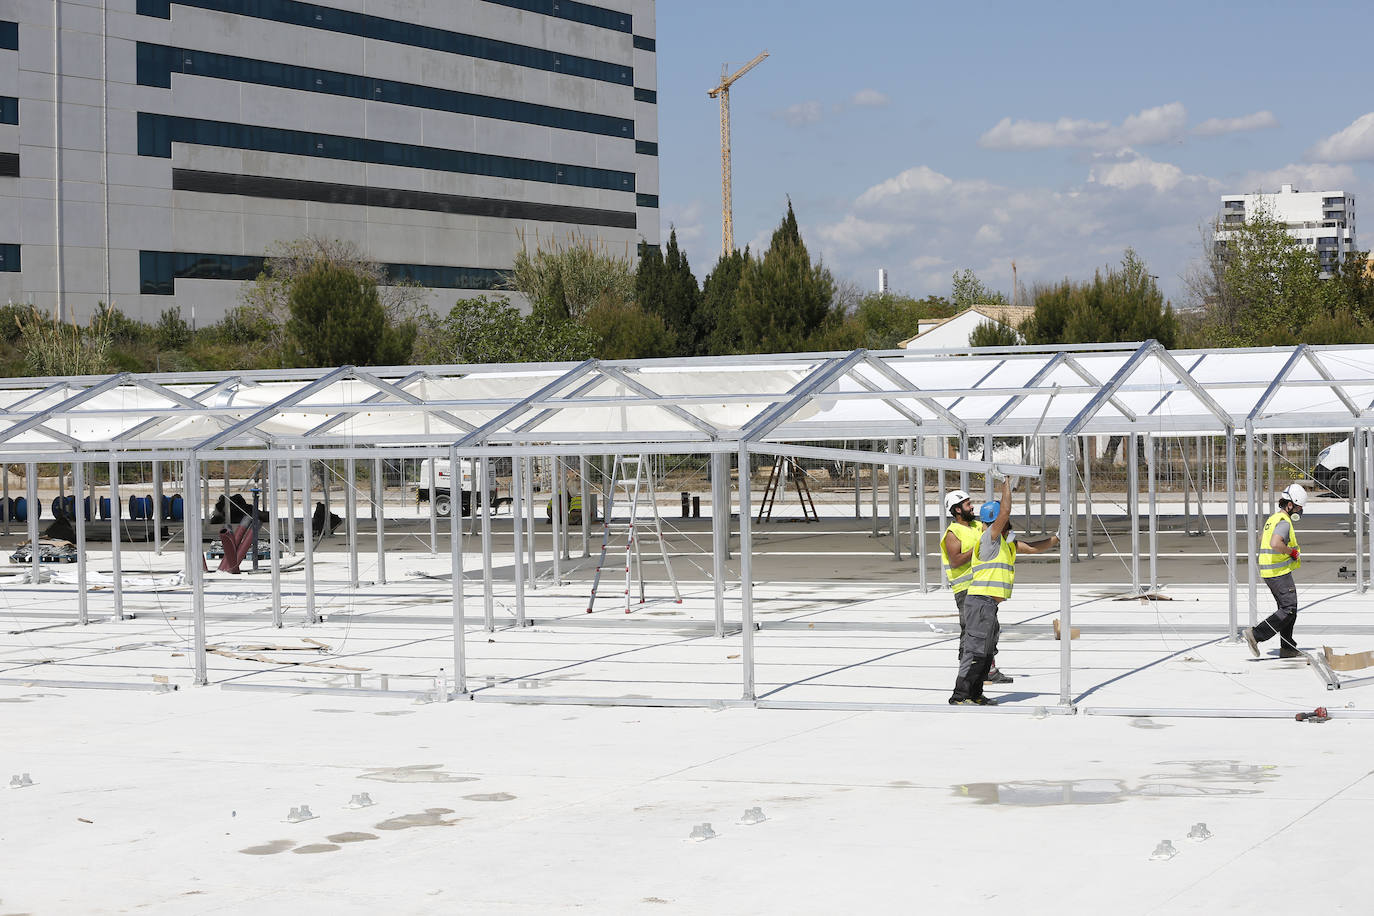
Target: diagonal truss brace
x=1325 y=373
x=816 y=381
x=624 y=377
x=252 y=422
x=35 y=422
x=484 y=432
x=896 y=378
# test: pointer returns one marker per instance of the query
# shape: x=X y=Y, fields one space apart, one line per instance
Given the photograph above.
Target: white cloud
x=869 y=98
x=921 y=179
x=1353 y=144
x=1160 y=124
x=1305 y=177
x=802 y=113
x=1136 y=173
x=1260 y=120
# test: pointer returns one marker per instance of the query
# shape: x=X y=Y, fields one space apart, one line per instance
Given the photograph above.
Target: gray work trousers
x=977 y=645
x=959 y=603
x=1281 y=622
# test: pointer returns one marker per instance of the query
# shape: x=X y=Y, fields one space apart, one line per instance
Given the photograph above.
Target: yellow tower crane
x=727 y=215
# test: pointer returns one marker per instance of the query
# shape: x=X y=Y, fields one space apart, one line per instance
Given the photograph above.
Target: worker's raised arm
x=999 y=524
x=957 y=556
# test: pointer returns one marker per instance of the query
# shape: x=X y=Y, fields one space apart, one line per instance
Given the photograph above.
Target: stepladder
x=630 y=487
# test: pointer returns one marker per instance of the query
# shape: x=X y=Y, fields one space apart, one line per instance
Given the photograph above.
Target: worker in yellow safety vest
x=956 y=552
x=1278 y=560
x=994 y=574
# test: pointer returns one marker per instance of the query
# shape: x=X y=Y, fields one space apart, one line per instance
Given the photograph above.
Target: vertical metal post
x=921 y=533
x=31 y=497
x=1026 y=459
x=1357 y=487
x=1272 y=490
x=720 y=532
x=1233 y=619
x=5 y=494
x=873 y=492
x=274 y=536
x=195 y=564
x=1073 y=503
x=1133 y=508
x=379 y=516
x=517 y=552
x=987 y=475
x=910 y=475
x=533 y=557
x=455 y=475
x=1088 y=443
x=1151 y=469
x=894 y=509
x=488 y=599
x=583 y=468
x=351 y=510
x=455 y=549
x=746 y=572
x=117 y=571
x=858 y=492
x=1368 y=496
x=157 y=505
x=289 y=468
x=79 y=516
x=1043 y=444
x=1065 y=573
x=963 y=456
x=1251 y=532
x=309 y=534
x=557 y=518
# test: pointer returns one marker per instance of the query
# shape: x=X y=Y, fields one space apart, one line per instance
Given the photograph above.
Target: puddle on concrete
x=351 y=837
x=1144 y=722
x=428 y=772
x=269 y=849
x=332 y=710
x=314 y=848
x=1198 y=778
x=490 y=796
x=430 y=817
x=395 y=712
x=18 y=699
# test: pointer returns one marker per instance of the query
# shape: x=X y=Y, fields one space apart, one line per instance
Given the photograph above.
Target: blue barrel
x=104 y=507
x=140 y=507
x=166 y=510
x=21 y=509
x=178 y=506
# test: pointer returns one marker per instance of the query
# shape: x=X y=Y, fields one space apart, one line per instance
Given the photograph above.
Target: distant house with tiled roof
x=953 y=332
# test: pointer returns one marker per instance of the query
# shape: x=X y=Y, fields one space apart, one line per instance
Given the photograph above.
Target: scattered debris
x=1074 y=632
x=1317 y=715
x=49 y=551
x=1350 y=662
x=85 y=820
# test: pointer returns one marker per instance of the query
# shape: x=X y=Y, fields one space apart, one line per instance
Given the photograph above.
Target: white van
x=436 y=476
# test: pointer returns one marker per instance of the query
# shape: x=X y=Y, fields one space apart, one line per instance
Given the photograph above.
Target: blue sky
x=927 y=138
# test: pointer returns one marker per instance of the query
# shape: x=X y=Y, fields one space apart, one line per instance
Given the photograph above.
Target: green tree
x=884 y=320
x=267 y=300
x=623 y=330
x=1121 y=305
x=488 y=329
x=336 y=317
x=52 y=348
x=993 y=334
x=171 y=331
x=967 y=291
x=784 y=301
x=562 y=280
x=1259 y=285
x=719 y=329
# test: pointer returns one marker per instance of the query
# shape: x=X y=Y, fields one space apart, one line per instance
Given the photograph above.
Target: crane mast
x=722 y=92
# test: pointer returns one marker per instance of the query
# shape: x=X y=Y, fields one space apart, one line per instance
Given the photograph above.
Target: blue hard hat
x=987 y=513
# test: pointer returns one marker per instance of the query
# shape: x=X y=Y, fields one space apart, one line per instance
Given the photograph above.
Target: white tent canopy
x=710 y=404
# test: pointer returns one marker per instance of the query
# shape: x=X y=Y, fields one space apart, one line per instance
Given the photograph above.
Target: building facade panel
x=197 y=133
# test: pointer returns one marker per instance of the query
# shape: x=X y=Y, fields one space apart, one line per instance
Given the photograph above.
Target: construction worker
x=1278 y=558
x=994 y=574
x=956 y=551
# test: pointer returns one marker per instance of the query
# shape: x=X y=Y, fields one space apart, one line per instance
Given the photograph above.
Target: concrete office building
x=151 y=151
x=1323 y=221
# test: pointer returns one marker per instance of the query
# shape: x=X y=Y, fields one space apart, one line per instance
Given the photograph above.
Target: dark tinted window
x=9 y=259
x=575 y=12
x=159 y=269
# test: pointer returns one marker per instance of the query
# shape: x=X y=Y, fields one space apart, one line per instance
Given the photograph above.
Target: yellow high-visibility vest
x=960 y=576
x=994 y=578
x=1274 y=563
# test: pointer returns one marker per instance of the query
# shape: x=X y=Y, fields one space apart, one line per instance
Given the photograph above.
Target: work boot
x=1248 y=634
x=997 y=677
x=984 y=701
x=966 y=701
x=1289 y=652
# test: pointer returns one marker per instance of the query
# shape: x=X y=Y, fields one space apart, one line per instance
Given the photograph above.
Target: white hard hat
x=1295 y=494
x=954 y=498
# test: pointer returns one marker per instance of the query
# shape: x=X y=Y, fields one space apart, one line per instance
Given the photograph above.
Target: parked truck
x=436 y=477
x=1332 y=470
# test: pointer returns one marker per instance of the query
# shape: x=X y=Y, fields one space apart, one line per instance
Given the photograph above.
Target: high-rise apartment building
x=1323 y=221
x=151 y=151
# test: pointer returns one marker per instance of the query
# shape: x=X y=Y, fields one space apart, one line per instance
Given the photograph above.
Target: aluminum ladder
x=630 y=478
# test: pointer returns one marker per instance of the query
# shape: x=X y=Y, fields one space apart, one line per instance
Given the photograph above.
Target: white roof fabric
x=711 y=400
